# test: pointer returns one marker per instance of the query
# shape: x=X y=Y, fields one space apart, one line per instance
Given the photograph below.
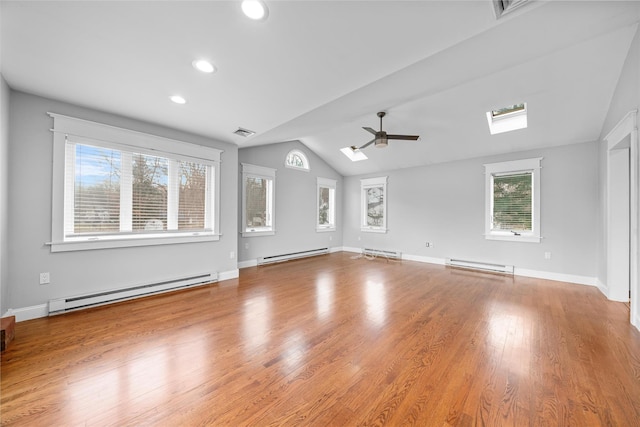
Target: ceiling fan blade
x=368 y=129
x=404 y=137
x=367 y=144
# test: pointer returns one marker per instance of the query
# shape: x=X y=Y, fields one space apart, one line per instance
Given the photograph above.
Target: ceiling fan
x=381 y=138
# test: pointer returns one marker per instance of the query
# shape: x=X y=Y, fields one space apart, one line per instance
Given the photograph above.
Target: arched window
x=297 y=160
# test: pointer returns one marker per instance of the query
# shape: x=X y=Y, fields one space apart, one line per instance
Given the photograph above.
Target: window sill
x=128 y=242
x=373 y=229
x=258 y=233
x=324 y=229
x=527 y=238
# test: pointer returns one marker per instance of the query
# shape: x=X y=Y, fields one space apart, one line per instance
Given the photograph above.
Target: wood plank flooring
x=333 y=341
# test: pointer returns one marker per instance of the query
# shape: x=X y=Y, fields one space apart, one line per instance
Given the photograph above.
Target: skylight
x=505 y=119
x=244 y=132
x=353 y=153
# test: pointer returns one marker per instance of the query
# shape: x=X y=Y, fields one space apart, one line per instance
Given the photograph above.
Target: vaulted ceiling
x=318 y=71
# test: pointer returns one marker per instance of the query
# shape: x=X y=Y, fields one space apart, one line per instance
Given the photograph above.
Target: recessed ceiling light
x=353 y=153
x=204 y=66
x=178 y=99
x=255 y=9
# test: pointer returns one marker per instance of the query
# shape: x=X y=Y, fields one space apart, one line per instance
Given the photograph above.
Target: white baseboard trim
x=602 y=287
x=547 y=275
x=335 y=249
x=636 y=322
x=248 y=263
x=427 y=259
x=227 y=275
x=29 y=313
x=348 y=249
x=559 y=277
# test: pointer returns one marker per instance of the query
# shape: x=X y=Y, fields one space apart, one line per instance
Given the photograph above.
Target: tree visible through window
x=297 y=160
x=326 y=220
x=150 y=177
x=512 y=202
x=97 y=190
x=374 y=204
x=110 y=182
x=258 y=188
x=113 y=187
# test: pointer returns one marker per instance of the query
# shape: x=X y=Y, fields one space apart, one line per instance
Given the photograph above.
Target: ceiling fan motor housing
x=381 y=140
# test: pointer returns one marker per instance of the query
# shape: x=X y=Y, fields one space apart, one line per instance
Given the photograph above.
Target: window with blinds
x=119 y=191
x=114 y=187
x=513 y=200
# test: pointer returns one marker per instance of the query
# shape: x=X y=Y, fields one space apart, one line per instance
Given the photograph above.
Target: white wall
x=625 y=98
x=445 y=204
x=4 y=193
x=72 y=273
x=295 y=194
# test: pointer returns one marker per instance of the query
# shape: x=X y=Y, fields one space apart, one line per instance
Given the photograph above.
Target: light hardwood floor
x=337 y=341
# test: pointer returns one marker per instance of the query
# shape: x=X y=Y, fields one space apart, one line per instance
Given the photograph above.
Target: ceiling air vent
x=503 y=7
x=244 y=132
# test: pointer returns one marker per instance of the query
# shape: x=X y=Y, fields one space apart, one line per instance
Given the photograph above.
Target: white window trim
x=304 y=158
x=331 y=184
x=254 y=171
x=525 y=165
x=364 y=185
x=112 y=136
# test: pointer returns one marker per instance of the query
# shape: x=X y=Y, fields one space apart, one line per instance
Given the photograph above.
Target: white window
x=374 y=205
x=297 y=160
x=114 y=187
x=512 y=201
x=326 y=218
x=258 y=196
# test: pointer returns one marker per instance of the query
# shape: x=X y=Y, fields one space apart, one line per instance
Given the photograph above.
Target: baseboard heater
x=382 y=253
x=483 y=266
x=294 y=255
x=64 y=305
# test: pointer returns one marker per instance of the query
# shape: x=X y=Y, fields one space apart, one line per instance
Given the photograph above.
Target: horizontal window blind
x=512 y=202
x=115 y=191
x=96 y=185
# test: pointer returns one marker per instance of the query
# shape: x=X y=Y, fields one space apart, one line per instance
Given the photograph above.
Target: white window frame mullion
x=126 y=191
x=173 y=194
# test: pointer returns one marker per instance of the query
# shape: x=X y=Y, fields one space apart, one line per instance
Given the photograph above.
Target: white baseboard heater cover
x=382 y=253
x=64 y=305
x=294 y=255
x=483 y=266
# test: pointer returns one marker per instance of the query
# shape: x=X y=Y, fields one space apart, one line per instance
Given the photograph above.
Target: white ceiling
x=317 y=71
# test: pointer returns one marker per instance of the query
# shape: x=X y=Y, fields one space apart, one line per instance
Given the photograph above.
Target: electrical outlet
x=232 y=255
x=547 y=255
x=330 y=238
x=44 y=278
x=429 y=244
x=246 y=246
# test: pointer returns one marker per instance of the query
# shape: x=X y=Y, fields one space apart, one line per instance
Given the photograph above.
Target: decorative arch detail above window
x=296 y=159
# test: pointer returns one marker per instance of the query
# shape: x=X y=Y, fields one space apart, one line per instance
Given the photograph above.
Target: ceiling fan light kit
x=381 y=138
